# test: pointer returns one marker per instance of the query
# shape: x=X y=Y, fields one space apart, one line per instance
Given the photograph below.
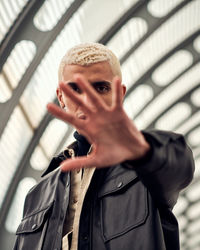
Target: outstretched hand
x=113 y=136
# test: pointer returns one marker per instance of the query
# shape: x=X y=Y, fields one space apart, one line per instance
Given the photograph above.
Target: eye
x=75 y=87
x=102 y=88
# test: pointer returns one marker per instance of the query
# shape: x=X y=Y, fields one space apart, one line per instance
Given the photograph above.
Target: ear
x=123 y=90
x=60 y=97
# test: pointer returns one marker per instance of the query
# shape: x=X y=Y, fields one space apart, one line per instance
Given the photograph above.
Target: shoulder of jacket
x=161 y=136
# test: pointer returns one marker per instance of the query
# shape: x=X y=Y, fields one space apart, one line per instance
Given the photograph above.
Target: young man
x=115 y=187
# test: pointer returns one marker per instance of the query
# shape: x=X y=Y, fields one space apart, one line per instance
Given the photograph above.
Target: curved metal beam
x=157 y=89
x=13 y=35
x=153 y=25
x=184 y=98
x=133 y=11
x=43 y=40
x=149 y=72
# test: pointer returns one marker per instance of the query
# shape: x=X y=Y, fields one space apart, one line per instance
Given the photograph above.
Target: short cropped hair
x=89 y=53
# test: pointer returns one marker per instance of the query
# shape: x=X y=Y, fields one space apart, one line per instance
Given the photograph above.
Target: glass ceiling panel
x=50 y=13
x=172 y=67
x=38 y=93
x=100 y=21
x=180 y=206
x=194 y=137
x=131 y=71
x=180 y=87
x=42 y=86
x=52 y=136
x=39 y=160
x=163 y=40
x=193 y=240
x=16 y=210
x=187 y=125
x=182 y=221
x=13 y=144
x=196 y=247
x=127 y=36
x=182 y=235
x=197 y=44
x=193 y=194
x=159 y=8
x=173 y=117
x=137 y=100
x=193 y=211
x=5 y=92
x=197 y=168
x=195 y=97
x=128 y=3
x=9 y=11
x=70 y=139
x=194 y=226
x=196 y=152
x=18 y=61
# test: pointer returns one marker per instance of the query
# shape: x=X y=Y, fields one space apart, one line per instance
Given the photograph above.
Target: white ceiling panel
x=159 y=8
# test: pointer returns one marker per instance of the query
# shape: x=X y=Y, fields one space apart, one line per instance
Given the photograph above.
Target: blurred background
x=158 y=44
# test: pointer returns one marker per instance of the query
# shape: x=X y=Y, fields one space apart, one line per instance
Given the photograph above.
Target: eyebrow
x=100 y=83
x=93 y=83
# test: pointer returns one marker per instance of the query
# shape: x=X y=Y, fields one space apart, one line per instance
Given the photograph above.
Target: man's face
x=99 y=75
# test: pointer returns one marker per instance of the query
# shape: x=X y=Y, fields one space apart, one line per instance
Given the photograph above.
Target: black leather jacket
x=127 y=207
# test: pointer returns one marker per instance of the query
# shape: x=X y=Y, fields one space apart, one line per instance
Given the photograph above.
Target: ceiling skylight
x=171 y=68
x=50 y=13
x=161 y=8
x=13 y=144
x=18 y=61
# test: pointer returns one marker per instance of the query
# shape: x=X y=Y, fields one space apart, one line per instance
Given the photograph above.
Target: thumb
x=77 y=163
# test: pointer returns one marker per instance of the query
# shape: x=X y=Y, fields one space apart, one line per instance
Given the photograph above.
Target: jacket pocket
x=123 y=205
x=32 y=229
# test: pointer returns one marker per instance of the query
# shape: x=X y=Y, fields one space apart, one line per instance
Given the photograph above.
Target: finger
x=117 y=93
x=77 y=163
x=94 y=98
x=74 y=97
x=64 y=116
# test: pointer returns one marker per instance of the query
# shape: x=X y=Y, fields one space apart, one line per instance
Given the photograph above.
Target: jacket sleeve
x=167 y=169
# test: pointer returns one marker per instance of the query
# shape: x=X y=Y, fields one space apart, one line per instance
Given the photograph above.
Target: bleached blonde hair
x=89 y=53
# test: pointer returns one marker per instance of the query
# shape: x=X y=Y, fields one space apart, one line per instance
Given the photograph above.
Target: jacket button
x=75 y=200
x=119 y=184
x=85 y=237
x=34 y=226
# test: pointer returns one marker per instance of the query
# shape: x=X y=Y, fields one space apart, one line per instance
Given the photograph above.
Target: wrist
x=143 y=151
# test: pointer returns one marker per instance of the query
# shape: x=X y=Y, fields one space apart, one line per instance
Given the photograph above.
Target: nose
x=86 y=99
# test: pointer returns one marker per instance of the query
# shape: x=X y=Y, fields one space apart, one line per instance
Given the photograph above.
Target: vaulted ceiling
x=158 y=43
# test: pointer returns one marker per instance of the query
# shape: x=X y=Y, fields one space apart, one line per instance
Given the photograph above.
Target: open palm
x=113 y=136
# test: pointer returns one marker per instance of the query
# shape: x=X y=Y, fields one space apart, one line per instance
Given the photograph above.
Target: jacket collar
x=69 y=152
